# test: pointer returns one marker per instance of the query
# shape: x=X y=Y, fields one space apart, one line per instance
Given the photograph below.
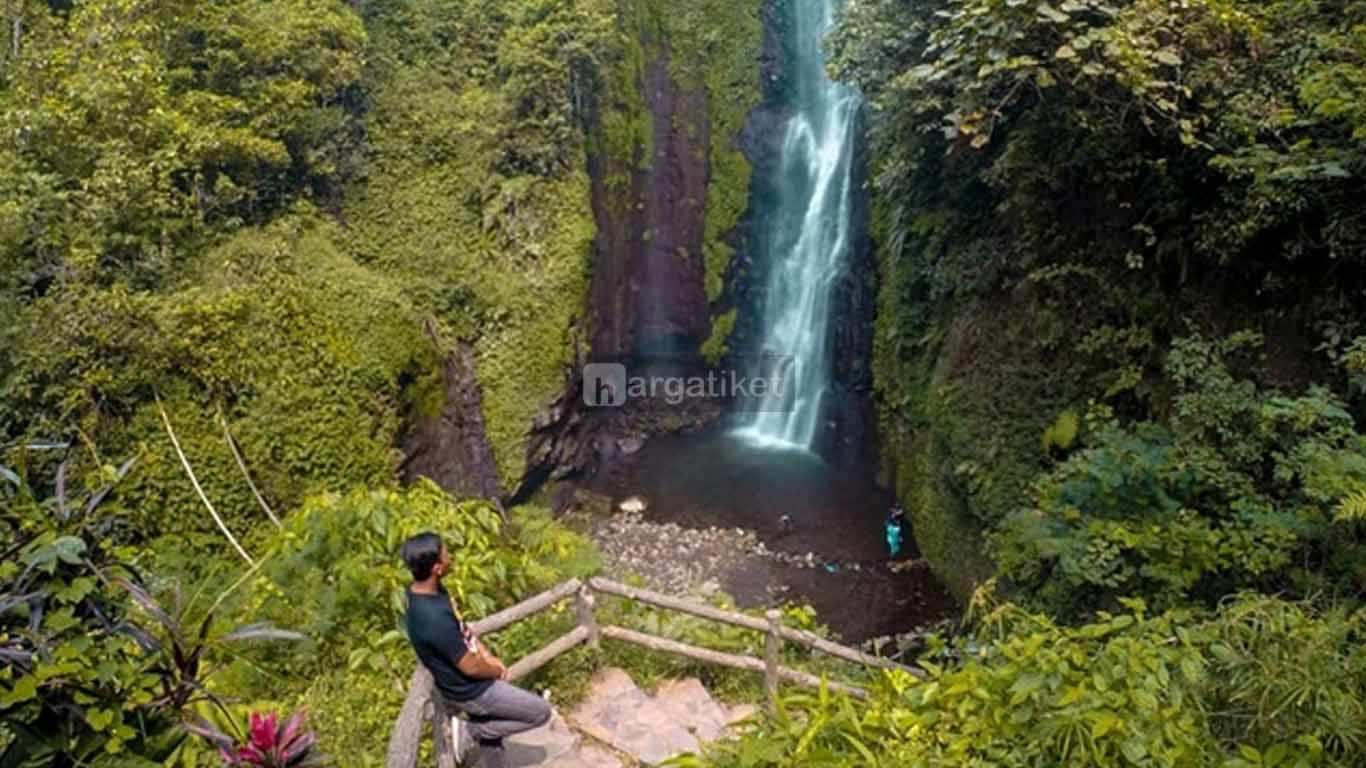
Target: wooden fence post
x=584 y=605
x=772 y=650
x=441 y=732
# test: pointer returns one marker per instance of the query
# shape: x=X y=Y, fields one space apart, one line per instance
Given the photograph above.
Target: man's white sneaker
x=461 y=740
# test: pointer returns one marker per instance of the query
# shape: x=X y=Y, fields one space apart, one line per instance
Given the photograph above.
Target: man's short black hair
x=420 y=553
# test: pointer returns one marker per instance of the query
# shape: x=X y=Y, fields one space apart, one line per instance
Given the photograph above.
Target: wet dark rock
x=583 y=441
x=648 y=292
x=452 y=447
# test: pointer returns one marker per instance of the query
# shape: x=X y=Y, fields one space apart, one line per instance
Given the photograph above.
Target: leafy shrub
x=354 y=708
x=1129 y=689
x=85 y=677
x=1282 y=673
x=72 y=683
x=1188 y=165
x=1243 y=486
x=337 y=577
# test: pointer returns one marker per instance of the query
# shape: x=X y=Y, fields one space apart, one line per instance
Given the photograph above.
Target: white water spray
x=810 y=238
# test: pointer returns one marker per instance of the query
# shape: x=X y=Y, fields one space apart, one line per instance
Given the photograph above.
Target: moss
x=300 y=349
x=715 y=45
x=425 y=396
x=522 y=361
x=715 y=347
x=501 y=257
x=948 y=537
x=477 y=199
x=624 y=141
x=963 y=417
x=712 y=46
x=518 y=302
x=995 y=392
x=965 y=394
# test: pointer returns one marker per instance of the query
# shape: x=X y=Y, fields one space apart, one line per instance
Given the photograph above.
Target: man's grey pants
x=499 y=712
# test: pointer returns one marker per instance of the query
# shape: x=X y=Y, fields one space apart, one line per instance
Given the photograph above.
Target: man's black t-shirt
x=441 y=640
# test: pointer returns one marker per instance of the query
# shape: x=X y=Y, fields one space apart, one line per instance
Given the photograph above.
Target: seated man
x=467 y=677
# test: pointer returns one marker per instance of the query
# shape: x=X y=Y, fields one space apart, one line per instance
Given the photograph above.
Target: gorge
x=1077 y=284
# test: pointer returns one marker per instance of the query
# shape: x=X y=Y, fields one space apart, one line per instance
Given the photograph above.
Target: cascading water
x=809 y=241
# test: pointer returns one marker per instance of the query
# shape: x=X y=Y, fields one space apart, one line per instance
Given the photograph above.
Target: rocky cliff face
x=682 y=130
x=452 y=446
x=669 y=185
x=648 y=296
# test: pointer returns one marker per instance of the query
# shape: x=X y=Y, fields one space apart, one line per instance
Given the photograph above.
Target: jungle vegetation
x=1120 y=358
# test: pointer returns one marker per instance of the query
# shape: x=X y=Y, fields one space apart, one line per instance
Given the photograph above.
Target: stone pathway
x=619 y=725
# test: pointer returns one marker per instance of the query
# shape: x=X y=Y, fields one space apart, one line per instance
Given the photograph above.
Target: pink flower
x=272 y=744
x=251 y=756
x=263 y=731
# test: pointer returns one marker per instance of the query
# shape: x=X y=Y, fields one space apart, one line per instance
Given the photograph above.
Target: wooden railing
x=421 y=704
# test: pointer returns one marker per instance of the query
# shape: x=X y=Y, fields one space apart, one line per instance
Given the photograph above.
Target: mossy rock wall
x=509 y=141
x=670 y=181
x=476 y=198
x=964 y=400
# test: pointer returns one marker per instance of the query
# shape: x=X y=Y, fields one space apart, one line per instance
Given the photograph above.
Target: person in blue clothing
x=895 y=528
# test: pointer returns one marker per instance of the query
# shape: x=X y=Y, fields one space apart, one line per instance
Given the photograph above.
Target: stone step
x=547 y=745
x=679 y=718
x=689 y=704
x=589 y=756
x=556 y=744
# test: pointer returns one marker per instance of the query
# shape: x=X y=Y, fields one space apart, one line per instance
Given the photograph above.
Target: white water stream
x=810 y=238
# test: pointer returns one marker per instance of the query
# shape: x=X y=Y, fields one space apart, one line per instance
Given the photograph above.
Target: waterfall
x=809 y=237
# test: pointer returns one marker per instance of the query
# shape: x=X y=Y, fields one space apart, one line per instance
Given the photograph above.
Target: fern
x=1351 y=507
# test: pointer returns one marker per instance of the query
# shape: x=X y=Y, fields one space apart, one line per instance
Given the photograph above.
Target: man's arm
x=481 y=666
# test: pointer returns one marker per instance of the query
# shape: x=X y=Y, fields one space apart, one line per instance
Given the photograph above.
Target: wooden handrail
x=407 y=733
x=525 y=609
x=528 y=664
x=720 y=658
x=801 y=637
x=421 y=704
x=661 y=600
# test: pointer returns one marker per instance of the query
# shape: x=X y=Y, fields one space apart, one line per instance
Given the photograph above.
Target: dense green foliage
x=244 y=216
x=54 y=581
x=1119 y=336
x=137 y=128
x=1246 y=488
x=101 y=665
x=333 y=576
x=1120 y=358
x=1063 y=190
x=1260 y=682
x=476 y=197
x=162 y=238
